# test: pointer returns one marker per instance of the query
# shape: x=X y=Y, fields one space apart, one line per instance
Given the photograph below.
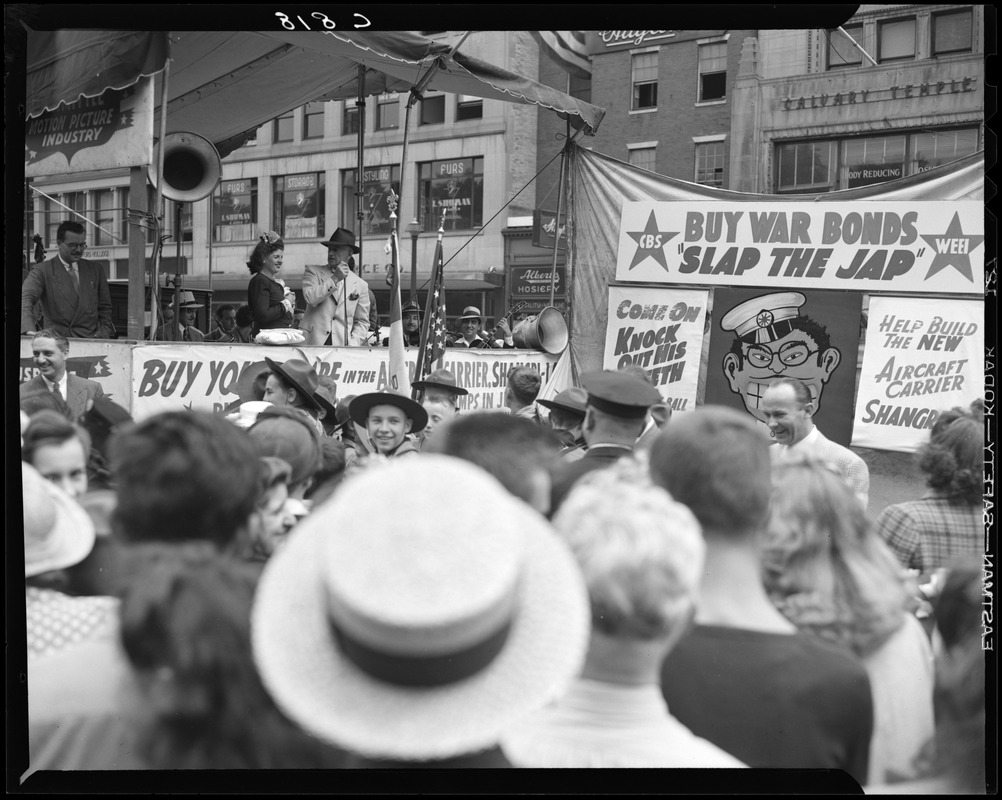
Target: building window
x=104 y=216
x=952 y=32
x=349 y=120
x=896 y=40
x=455 y=187
x=433 y=110
x=710 y=163
x=283 y=128
x=841 y=51
x=712 y=71
x=377 y=182
x=234 y=211
x=299 y=206
x=55 y=214
x=313 y=120
x=643 y=157
x=934 y=148
x=170 y=219
x=869 y=160
x=645 y=81
x=806 y=166
x=469 y=107
x=387 y=112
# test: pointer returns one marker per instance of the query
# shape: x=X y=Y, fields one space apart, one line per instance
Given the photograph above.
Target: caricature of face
x=795 y=355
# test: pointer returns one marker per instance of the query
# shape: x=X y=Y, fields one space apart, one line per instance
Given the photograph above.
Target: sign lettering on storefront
x=896 y=92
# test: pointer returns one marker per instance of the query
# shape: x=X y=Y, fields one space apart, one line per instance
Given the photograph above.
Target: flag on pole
x=398 y=380
x=432 y=349
x=568 y=49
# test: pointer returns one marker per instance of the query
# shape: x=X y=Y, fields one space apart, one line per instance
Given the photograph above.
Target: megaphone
x=545 y=331
x=192 y=167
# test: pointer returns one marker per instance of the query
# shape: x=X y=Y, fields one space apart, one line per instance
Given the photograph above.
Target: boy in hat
x=440 y=393
x=614 y=417
x=337 y=300
x=410 y=318
x=567 y=413
x=389 y=418
x=184 y=329
x=471 y=336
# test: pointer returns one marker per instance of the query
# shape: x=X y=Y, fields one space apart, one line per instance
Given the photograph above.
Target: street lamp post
x=414 y=228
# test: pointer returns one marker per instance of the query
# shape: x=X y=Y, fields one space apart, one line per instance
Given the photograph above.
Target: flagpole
x=429 y=303
x=560 y=197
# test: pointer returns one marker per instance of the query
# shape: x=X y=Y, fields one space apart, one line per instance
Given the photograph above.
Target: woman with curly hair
x=271 y=302
x=948 y=521
x=185 y=626
x=830 y=575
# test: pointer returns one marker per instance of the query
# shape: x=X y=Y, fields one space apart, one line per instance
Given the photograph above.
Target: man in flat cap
x=774 y=340
x=614 y=417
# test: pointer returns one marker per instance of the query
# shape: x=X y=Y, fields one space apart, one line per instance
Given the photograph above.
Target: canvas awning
x=223 y=84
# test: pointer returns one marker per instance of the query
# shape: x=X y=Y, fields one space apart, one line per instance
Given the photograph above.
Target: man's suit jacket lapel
x=76 y=396
x=67 y=296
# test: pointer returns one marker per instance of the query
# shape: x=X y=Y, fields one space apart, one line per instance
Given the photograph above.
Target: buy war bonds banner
x=204 y=377
x=866 y=246
x=922 y=356
x=661 y=330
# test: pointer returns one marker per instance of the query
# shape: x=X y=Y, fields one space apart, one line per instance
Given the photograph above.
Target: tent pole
x=360 y=104
x=158 y=204
x=560 y=196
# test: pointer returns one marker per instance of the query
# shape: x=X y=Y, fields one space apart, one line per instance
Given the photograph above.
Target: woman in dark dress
x=272 y=303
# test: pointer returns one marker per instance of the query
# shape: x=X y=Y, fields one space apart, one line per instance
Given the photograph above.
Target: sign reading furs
x=923 y=246
x=660 y=330
x=114 y=129
x=922 y=356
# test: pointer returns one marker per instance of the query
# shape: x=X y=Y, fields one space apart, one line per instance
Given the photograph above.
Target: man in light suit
x=49 y=350
x=334 y=294
x=73 y=293
x=788 y=410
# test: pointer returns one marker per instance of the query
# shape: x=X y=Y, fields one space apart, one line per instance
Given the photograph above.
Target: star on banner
x=953 y=249
x=651 y=242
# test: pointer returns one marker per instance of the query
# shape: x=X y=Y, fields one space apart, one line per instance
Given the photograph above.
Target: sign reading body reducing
x=902 y=247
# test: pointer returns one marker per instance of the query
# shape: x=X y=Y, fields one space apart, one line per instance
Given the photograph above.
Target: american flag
x=433 y=330
x=567 y=48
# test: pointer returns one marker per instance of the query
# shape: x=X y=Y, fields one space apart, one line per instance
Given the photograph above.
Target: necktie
x=75 y=278
x=56 y=392
x=187 y=336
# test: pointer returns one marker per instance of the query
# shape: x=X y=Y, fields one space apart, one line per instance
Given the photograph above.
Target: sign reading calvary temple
x=918 y=246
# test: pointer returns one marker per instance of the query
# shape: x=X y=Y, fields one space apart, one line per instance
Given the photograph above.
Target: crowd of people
x=311 y=582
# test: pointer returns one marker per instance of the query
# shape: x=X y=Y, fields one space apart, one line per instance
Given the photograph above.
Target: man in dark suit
x=614 y=417
x=49 y=350
x=73 y=293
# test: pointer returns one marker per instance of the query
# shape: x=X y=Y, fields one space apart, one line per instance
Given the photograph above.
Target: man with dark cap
x=614 y=417
x=567 y=413
x=410 y=319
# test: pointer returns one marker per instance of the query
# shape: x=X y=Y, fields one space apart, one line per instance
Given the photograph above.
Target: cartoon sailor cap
x=765 y=318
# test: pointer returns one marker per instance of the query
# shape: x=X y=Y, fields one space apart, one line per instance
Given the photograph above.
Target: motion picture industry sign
x=114 y=129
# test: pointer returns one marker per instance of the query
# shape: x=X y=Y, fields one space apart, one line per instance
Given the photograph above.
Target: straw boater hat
x=462 y=612
x=342 y=237
x=472 y=312
x=301 y=377
x=187 y=300
x=573 y=400
x=440 y=379
x=58 y=533
x=358 y=409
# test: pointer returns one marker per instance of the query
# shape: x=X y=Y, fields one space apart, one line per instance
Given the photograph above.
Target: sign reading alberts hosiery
x=535 y=281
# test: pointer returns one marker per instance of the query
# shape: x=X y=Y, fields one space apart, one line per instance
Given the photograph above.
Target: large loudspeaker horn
x=545 y=331
x=192 y=168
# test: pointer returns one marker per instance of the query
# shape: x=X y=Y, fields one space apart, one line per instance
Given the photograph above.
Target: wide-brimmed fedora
x=358 y=409
x=342 y=237
x=187 y=300
x=440 y=379
x=573 y=400
x=461 y=611
x=301 y=377
x=58 y=533
x=472 y=312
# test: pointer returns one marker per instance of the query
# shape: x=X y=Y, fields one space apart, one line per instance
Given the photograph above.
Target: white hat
x=421 y=628
x=764 y=318
x=58 y=533
x=246 y=414
x=187 y=300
